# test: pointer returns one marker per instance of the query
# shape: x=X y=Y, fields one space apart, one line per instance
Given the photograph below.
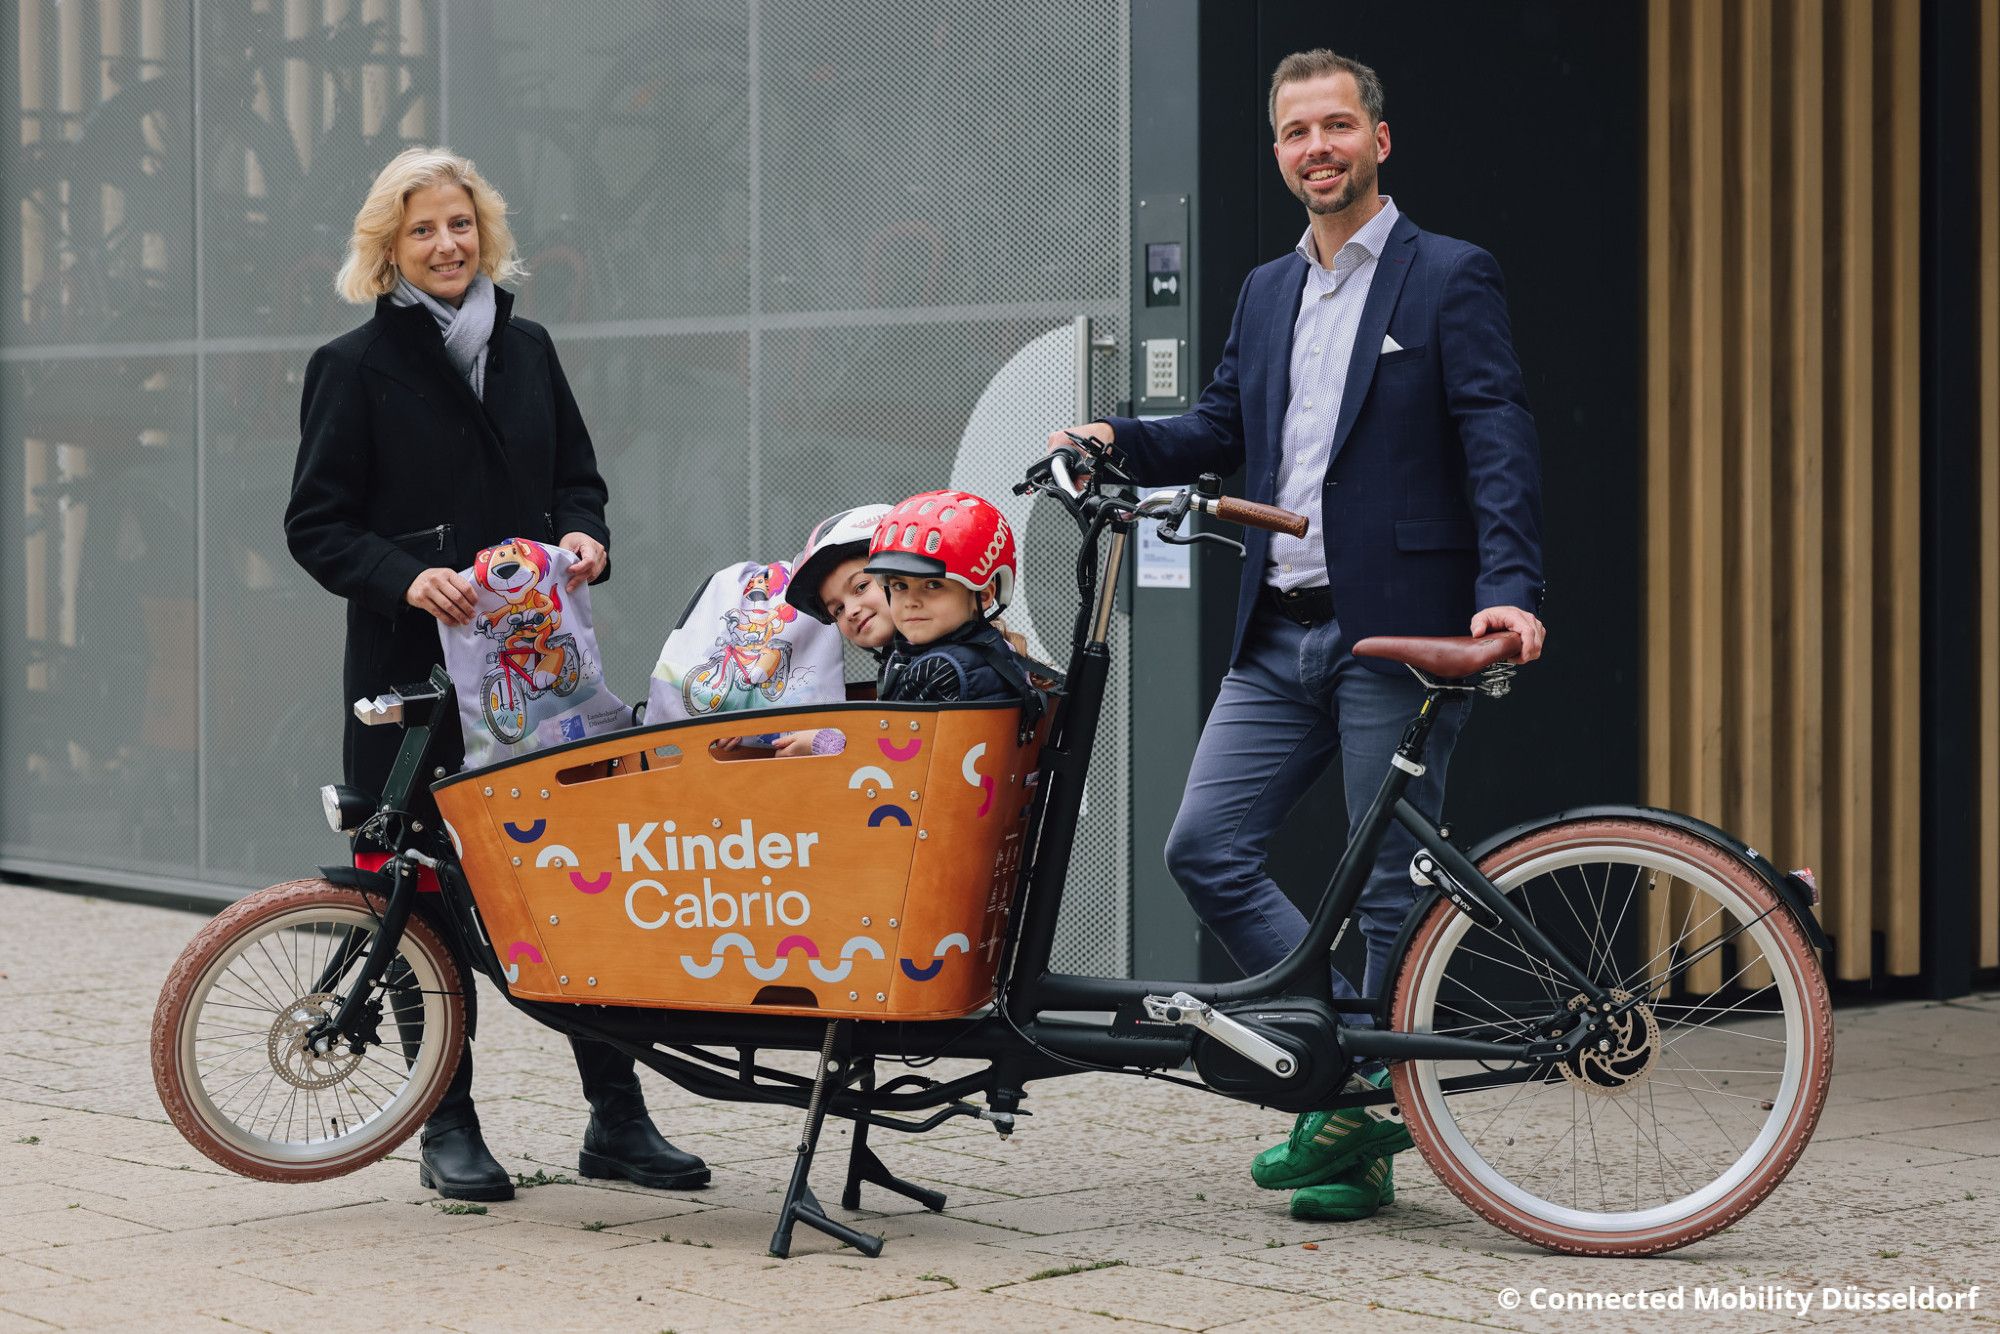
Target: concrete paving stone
x=810 y=1280
x=14 y=1323
x=1964 y=1108
x=156 y=1301
x=1180 y=1301
x=1346 y=1316
x=571 y=1206
x=546 y=1242
x=383 y=1220
x=960 y=1312
x=1150 y=1244
x=611 y=1312
x=1904 y=1082
x=1336 y=1271
x=1100 y=1206
x=70 y=1227
x=18 y=1275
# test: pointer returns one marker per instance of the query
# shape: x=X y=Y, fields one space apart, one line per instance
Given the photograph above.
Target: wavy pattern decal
x=855 y=945
x=955 y=943
x=718 y=955
x=732 y=941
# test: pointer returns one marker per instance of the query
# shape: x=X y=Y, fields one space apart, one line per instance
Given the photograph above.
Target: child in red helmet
x=947 y=559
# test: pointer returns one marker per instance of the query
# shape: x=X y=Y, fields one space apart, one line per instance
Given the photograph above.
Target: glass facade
x=784 y=248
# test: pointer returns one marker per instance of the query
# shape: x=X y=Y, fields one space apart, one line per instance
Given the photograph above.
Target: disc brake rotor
x=291 y=1056
x=1619 y=1059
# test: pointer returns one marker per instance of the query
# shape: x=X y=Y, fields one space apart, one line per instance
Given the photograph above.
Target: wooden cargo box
x=874 y=883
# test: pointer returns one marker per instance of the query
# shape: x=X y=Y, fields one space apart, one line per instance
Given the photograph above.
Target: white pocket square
x=1390 y=344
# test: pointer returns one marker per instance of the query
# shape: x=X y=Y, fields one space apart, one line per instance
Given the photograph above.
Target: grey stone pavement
x=1120 y=1203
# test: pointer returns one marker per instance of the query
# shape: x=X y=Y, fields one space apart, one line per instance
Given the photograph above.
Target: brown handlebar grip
x=1253 y=515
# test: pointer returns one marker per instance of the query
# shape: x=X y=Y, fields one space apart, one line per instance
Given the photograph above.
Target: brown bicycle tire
x=1777 y=1160
x=209 y=945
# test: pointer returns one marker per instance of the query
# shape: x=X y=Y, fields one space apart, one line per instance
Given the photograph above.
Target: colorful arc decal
x=590 y=886
x=528 y=835
x=881 y=813
x=969 y=768
x=953 y=943
x=895 y=752
x=516 y=952
x=868 y=773
x=555 y=854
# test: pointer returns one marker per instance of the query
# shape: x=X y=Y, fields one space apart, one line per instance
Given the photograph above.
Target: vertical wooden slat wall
x=1783 y=456
x=1988 y=698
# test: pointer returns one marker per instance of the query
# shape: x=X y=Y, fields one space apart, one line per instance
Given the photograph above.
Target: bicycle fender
x=353 y=877
x=1794 y=893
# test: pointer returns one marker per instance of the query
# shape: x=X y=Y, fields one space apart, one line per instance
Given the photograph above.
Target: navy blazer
x=1432 y=504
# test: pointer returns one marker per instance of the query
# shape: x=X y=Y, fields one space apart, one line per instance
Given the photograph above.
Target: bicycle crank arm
x=1181 y=1008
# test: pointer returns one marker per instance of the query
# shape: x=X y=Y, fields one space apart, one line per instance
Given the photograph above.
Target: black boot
x=635 y=1151
x=458 y=1166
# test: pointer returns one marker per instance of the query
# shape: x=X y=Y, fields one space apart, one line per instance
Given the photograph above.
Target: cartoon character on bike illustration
x=532 y=658
x=751 y=654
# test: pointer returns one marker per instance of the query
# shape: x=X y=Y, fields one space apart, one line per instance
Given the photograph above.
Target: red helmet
x=948 y=534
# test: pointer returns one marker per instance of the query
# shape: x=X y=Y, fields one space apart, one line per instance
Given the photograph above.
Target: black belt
x=1304 y=606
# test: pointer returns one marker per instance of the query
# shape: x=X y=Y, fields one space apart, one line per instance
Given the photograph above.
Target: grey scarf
x=467 y=328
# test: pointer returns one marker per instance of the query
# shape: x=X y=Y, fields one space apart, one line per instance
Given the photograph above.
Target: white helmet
x=839 y=537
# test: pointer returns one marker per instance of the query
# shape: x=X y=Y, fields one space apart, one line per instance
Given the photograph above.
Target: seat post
x=1411 y=747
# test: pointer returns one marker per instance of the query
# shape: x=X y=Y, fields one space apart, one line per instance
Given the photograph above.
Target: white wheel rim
x=1674 y=1213
x=378 y=1098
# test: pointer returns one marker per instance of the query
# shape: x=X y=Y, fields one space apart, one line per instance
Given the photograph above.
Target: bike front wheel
x=1688 y=1109
x=231 y=1056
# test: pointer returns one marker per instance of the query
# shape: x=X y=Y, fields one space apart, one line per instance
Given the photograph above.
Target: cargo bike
x=1608 y=1031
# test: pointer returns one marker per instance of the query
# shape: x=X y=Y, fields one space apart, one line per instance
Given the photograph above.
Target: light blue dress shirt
x=1322 y=349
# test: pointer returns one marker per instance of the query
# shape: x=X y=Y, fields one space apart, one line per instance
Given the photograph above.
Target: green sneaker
x=1323 y=1145
x=1356 y=1194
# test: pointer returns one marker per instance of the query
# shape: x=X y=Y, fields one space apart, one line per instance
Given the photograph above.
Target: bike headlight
x=346 y=809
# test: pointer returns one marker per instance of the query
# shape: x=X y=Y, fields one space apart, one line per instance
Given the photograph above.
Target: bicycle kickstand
x=801 y=1205
x=864 y=1165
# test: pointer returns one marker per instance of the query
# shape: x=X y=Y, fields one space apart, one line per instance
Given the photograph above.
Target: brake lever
x=1172 y=535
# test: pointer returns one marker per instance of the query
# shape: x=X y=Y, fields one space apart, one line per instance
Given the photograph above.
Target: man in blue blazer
x=1369 y=383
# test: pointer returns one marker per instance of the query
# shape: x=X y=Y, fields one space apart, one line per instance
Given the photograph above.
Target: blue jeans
x=1294 y=695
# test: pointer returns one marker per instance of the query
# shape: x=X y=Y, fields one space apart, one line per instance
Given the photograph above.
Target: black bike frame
x=1015 y=1036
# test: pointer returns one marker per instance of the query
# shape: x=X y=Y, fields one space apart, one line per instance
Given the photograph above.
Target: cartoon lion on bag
x=528 y=618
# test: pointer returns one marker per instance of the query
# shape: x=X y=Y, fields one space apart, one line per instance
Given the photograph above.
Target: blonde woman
x=440 y=426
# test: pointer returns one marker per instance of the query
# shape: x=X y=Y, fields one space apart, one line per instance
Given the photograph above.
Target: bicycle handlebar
x=1251 y=514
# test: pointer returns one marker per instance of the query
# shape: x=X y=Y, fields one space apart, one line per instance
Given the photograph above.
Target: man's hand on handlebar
x=1101 y=432
x=1520 y=622
x=445 y=594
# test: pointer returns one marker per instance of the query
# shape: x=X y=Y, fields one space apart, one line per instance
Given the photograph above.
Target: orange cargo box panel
x=650 y=868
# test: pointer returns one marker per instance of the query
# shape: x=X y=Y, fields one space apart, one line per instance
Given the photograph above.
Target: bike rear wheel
x=230 y=1057
x=1689 y=1109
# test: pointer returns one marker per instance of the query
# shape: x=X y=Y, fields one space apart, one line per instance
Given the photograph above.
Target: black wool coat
x=400 y=469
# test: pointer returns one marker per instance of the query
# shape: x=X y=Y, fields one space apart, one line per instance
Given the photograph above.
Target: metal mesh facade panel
x=784 y=249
